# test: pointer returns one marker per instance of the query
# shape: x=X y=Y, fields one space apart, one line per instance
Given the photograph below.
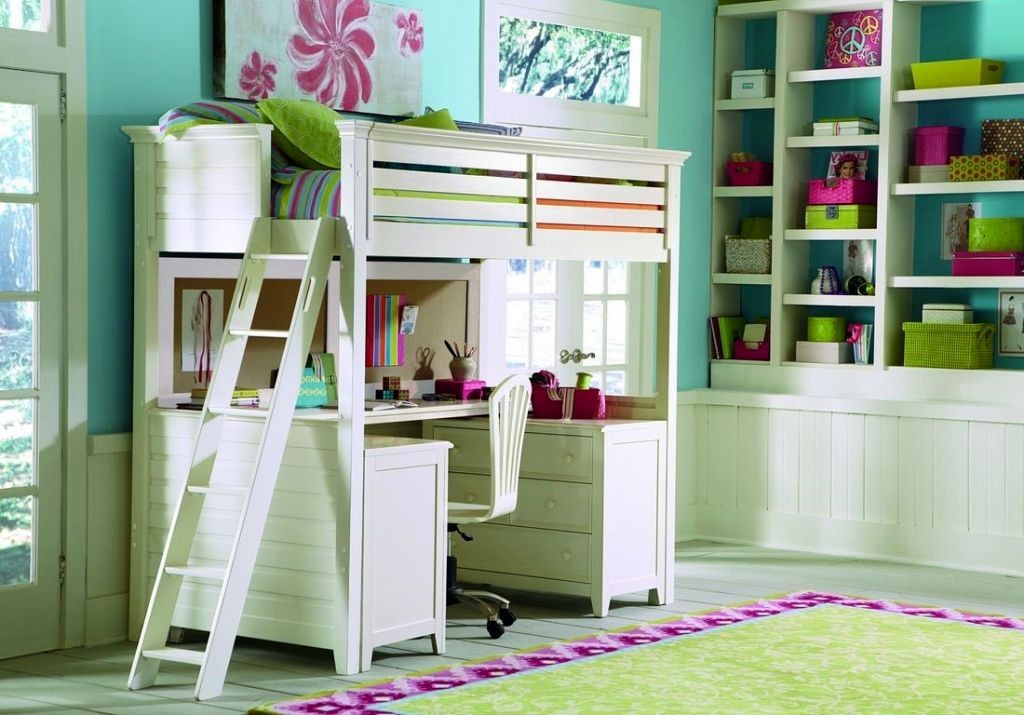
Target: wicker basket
x=748 y=255
x=960 y=347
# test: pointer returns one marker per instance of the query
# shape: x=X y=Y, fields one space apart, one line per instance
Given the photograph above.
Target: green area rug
x=806 y=652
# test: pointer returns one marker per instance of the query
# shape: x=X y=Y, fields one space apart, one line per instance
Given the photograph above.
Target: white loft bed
x=198 y=193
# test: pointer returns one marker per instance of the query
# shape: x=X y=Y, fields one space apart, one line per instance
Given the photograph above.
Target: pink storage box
x=934 y=145
x=824 y=192
x=462 y=389
x=988 y=263
x=740 y=351
x=749 y=173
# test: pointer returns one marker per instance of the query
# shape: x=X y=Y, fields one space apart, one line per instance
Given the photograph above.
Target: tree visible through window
x=23 y=15
x=548 y=60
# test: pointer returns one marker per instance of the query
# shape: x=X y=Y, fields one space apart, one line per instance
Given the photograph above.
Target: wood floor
x=93 y=679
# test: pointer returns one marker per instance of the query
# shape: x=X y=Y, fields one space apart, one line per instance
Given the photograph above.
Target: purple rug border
x=367 y=700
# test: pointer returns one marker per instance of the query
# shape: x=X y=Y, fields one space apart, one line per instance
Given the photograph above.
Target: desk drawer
x=563 y=457
x=553 y=505
x=472 y=489
x=526 y=552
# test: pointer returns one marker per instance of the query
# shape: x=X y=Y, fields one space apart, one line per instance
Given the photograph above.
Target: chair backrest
x=509 y=403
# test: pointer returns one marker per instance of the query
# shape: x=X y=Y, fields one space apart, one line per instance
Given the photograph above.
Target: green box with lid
x=840 y=216
x=995 y=234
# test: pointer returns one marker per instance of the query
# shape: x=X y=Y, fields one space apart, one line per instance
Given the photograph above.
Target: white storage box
x=957 y=313
x=831 y=353
x=753 y=84
x=925 y=174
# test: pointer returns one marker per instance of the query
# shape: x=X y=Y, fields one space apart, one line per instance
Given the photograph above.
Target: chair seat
x=463 y=513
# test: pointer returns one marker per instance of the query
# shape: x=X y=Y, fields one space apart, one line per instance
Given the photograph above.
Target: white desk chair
x=508 y=405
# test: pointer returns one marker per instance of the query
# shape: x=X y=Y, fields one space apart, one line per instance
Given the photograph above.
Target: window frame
x=554 y=116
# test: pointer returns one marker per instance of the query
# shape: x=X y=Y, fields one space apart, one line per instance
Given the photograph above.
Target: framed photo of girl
x=1011 y=323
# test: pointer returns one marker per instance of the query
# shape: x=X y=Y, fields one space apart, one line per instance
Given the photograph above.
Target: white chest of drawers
x=592 y=515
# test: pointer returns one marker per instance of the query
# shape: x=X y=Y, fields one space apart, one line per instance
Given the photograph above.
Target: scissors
x=424 y=356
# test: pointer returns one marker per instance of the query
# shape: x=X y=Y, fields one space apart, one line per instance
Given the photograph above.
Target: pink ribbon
x=855 y=330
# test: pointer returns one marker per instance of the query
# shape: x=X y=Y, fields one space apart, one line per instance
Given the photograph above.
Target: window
x=586 y=66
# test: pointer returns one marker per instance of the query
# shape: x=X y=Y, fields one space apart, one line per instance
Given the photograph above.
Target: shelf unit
x=798 y=78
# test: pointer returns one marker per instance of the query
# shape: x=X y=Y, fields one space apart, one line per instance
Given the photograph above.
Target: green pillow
x=305 y=131
x=441 y=119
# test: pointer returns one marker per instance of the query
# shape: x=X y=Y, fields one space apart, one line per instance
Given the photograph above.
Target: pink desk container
x=824 y=192
x=462 y=389
x=740 y=351
x=988 y=263
x=934 y=145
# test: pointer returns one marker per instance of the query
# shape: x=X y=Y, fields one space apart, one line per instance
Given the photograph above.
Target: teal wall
x=142 y=60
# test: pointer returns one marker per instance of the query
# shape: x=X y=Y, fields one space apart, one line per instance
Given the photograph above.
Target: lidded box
x=840 y=216
x=841 y=191
x=833 y=353
x=995 y=234
x=753 y=84
x=947 y=313
x=934 y=145
x=925 y=174
x=748 y=255
x=983 y=167
x=826 y=329
x=988 y=263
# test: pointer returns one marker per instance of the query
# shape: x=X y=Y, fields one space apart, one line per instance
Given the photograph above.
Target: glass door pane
x=33 y=15
x=31 y=340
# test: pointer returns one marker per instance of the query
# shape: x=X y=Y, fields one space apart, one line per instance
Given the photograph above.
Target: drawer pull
x=471 y=498
x=566 y=556
x=568 y=458
x=549 y=504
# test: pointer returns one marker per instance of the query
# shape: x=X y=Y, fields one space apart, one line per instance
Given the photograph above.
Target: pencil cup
x=462 y=368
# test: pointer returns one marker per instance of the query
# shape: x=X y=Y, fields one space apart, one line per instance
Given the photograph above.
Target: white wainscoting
x=910 y=481
x=109 y=475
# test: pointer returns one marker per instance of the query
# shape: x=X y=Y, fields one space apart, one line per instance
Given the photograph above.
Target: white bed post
x=355 y=189
x=668 y=340
x=144 y=369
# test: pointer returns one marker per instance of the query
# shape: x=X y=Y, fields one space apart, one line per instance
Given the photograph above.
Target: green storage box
x=826 y=329
x=947 y=345
x=995 y=234
x=840 y=216
x=957 y=73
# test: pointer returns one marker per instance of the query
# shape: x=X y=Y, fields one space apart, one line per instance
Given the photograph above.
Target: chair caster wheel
x=495 y=629
x=506 y=616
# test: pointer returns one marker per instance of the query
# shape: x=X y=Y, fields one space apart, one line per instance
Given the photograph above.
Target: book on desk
x=381 y=405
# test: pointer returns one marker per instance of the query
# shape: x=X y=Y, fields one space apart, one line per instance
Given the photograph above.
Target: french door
x=31 y=349
x=579 y=316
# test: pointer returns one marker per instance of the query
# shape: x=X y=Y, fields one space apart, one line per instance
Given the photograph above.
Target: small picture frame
x=848 y=165
x=955 y=218
x=1011 y=323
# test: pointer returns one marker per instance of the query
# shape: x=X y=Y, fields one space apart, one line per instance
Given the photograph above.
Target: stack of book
x=725 y=330
x=240 y=397
x=844 y=126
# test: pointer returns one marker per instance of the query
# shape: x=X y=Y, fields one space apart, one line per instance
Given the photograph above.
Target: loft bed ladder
x=313 y=242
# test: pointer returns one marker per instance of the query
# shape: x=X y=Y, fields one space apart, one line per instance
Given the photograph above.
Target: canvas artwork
x=955 y=218
x=854 y=39
x=353 y=55
x=1011 y=323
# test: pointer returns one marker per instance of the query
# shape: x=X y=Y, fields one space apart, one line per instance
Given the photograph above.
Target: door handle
x=576 y=356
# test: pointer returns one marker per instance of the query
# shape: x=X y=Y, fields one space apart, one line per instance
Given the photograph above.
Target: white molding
x=117 y=443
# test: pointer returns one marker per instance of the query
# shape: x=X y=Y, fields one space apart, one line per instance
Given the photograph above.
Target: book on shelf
x=236 y=394
x=382 y=405
x=725 y=330
x=844 y=126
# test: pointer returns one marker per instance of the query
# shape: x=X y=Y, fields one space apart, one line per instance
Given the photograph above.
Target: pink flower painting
x=256 y=78
x=410 y=33
x=331 y=51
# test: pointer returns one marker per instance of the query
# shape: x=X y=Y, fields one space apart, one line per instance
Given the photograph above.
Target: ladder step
x=298 y=256
x=176 y=655
x=220 y=491
x=282 y=334
x=239 y=411
x=207 y=573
